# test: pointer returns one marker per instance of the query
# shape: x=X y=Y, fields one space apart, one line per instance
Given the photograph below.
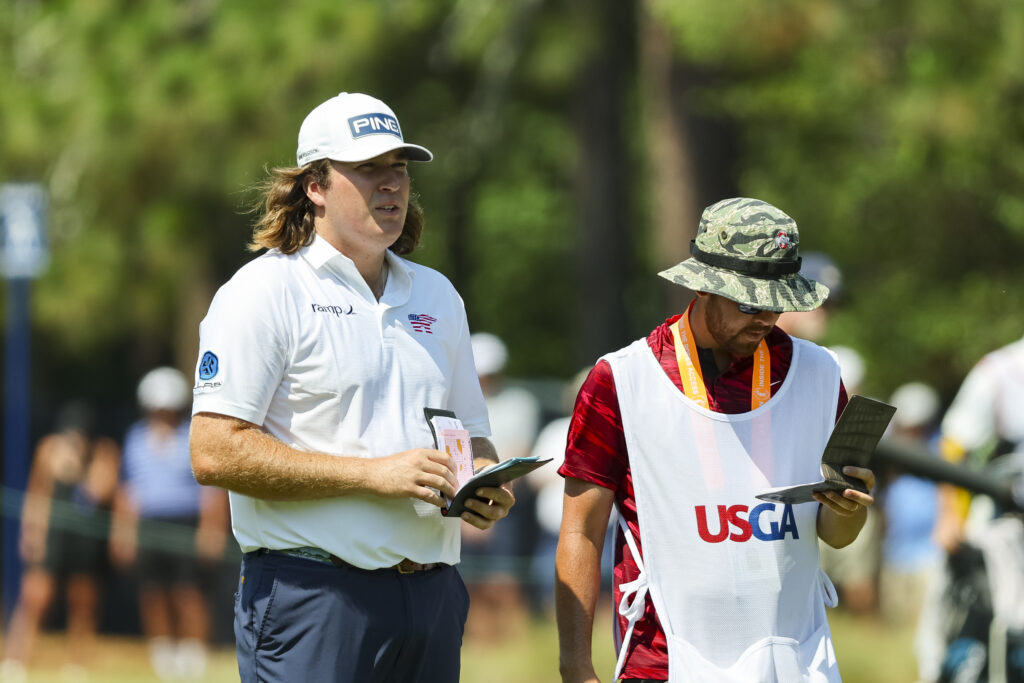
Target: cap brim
x=363 y=152
x=374 y=148
x=788 y=293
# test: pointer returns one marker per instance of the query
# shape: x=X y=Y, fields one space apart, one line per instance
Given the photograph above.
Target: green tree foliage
x=148 y=122
x=891 y=131
x=895 y=133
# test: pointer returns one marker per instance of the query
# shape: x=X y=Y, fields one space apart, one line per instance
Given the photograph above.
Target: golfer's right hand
x=418 y=473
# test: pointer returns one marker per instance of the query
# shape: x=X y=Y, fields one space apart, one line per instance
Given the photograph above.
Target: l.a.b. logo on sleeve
x=374 y=124
x=208 y=366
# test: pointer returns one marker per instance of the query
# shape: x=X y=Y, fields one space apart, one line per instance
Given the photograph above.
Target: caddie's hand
x=484 y=513
x=849 y=501
x=418 y=473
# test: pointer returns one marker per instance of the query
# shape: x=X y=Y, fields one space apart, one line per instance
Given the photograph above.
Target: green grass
x=868 y=652
x=534 y=657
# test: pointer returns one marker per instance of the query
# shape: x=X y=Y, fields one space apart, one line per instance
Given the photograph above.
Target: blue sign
x=24 y=252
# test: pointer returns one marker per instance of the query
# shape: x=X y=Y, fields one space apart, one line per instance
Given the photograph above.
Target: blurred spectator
x=854 y=569
x=495 y=560
x=549 y=488
x=64 y=524
x=851 y=368
x=984 y=422
x=813 y=325
x=163 y=521
x=910 y=556
x=976 y=613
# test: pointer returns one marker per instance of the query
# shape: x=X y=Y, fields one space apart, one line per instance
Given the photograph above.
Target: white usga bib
x=736 y=582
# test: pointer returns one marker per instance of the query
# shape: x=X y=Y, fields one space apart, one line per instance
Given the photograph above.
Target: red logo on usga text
x=742 y=528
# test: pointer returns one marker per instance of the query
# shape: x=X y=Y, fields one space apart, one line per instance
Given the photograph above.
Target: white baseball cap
x=917 y=404
x=164 y=389
x=353 y=127
x=489 y=353
x=851 y=366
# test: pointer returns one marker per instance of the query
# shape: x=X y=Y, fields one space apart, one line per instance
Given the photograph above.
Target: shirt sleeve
x=596 y=445
x=243 y=348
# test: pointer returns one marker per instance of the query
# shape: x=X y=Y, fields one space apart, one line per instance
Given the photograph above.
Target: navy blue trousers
x=303 y=620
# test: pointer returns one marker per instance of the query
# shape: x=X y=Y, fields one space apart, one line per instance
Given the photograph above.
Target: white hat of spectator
x=916 y=403
x=489 y=353
x=164 y=389
x=851 y=366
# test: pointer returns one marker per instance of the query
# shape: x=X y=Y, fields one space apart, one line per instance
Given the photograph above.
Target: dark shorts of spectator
x=167 y=553
x=70 y=552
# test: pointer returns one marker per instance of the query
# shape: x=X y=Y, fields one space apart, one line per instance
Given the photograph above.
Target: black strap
x=761 y=269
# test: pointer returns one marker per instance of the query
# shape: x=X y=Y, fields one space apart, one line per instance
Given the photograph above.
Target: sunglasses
x=749 y=310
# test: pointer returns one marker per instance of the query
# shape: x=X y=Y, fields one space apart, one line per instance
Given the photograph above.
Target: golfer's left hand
x=484 y=513
x=849 y=501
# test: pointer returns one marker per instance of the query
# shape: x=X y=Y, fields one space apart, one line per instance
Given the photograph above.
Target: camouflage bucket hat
x=748 y=251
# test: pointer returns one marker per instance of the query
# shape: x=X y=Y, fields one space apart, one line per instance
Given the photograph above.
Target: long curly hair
x=285 y=214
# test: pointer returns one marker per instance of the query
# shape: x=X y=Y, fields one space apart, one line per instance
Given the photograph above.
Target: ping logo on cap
x=374 y=124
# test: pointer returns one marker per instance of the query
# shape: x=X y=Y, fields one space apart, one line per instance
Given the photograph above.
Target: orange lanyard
x=693 y=379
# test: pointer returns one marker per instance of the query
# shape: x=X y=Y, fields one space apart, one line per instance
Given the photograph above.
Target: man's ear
x=314 y=191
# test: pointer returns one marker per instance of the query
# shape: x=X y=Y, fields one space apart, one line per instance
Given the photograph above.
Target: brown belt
x=406 y=566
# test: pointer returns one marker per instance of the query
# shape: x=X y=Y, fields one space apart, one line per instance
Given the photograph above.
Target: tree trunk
x=673 y=184
x=605 y=181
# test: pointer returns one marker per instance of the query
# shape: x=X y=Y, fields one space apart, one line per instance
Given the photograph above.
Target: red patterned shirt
x=596 y=453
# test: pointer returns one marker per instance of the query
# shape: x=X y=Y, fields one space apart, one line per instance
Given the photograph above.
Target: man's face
x=735 y=332
x=366 y=203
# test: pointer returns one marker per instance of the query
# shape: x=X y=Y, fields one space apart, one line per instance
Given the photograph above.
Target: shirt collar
x=322 y=256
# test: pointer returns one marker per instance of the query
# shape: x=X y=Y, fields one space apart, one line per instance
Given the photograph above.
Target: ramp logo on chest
x=736 y=525
x=332 y=309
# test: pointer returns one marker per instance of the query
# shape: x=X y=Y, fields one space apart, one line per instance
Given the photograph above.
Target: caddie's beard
x=739 y=339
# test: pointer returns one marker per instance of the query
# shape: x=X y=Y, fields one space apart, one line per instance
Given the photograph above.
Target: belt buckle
x=402 y=568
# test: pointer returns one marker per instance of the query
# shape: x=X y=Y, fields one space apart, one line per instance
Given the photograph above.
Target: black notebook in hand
x=491 y=476
x=852 y=442
x=450 y=436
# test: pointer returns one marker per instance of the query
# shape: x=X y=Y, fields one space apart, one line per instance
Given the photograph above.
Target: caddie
x=679 y=431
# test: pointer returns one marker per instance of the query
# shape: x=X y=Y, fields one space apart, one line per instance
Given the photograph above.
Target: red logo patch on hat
x=782 y=240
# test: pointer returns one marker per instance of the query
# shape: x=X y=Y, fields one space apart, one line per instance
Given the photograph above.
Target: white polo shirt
x=988 y=404
x=298 y=343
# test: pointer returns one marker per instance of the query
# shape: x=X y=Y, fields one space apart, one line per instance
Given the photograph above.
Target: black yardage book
x=852 y=442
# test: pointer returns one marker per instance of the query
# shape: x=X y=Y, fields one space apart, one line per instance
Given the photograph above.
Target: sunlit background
x=576 y=143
